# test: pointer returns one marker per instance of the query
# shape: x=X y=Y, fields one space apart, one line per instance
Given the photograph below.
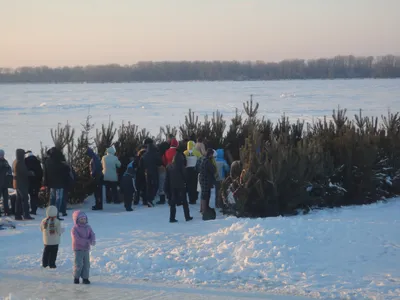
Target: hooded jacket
x=21 y=173
x=222 y=165
x=110 y=163
x=95 y=166
x=82 y=234
x=192 y=154
x=5 y=170
x=34 y=165
x=151 y=160
x=56 y=171
x=170 y=153
x=51 y=227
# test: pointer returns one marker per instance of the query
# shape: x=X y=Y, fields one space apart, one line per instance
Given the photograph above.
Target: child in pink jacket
x=82 y=238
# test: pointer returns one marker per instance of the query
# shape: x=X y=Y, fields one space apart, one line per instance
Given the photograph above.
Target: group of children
x=83 y=237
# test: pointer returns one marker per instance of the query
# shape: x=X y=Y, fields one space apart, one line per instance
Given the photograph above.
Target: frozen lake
x=28 y=111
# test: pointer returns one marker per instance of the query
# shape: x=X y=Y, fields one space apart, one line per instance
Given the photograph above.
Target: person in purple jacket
x=82 y=238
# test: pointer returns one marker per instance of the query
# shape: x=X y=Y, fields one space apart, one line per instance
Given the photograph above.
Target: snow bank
x=346 y=253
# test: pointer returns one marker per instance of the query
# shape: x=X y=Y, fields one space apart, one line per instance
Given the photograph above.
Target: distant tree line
x=324 y=68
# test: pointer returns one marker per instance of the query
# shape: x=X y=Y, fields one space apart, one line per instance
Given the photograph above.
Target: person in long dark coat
x=151 y=160
x=35 y=182
x=96 y=171
x=5 y=173
x=207 y=179
x=175 y=186
x=21 y=185
x=56 y=177
x=140 y=180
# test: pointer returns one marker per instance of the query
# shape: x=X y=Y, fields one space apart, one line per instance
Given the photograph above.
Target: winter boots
x=162 y=200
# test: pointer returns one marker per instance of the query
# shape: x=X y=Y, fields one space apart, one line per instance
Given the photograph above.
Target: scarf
x=50 y=224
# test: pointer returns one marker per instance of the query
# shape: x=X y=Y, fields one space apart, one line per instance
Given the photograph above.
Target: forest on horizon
x=339 y=67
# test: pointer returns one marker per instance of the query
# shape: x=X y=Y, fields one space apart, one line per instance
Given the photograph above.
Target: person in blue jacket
x=222 y=170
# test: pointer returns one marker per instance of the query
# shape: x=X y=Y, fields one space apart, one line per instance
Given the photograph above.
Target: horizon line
x=201 y=61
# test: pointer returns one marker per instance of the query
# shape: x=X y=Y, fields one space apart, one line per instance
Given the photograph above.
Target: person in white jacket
x=51 y=230
x=110 y=163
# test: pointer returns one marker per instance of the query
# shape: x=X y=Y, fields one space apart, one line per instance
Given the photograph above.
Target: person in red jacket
x=170 y=153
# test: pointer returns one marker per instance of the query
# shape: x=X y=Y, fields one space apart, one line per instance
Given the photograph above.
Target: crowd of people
x=177 y=172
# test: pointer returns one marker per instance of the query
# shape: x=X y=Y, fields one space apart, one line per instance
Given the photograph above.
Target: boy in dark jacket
x=127 y=185
x=96 y=171
x=35 y=182
x=21 y=185
x=175 y=187
x=5 y=173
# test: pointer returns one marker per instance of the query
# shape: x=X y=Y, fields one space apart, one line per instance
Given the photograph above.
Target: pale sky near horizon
x=81 y=32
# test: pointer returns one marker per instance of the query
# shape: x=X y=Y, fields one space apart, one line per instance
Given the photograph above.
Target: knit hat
x=2 y=153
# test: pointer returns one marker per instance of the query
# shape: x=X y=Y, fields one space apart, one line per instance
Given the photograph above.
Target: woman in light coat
x=110 y=164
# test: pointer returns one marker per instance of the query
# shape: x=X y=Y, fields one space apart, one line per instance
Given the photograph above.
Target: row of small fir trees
x=284 y=167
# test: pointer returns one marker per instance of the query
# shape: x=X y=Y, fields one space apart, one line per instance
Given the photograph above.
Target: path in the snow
x=52 y=285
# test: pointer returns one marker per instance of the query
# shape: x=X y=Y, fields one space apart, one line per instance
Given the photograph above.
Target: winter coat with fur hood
x=51 y=227
x=110 y=163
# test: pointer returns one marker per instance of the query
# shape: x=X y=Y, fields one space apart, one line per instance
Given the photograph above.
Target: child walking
x=82 y=238
x=51 y=229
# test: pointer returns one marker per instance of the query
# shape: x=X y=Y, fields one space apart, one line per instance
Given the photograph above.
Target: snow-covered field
x=28 y=111
x=347 y=253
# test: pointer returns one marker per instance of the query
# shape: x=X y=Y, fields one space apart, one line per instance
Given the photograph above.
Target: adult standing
x=56 y=176
x=21 y=185
x=96 y=171
x=207 y=179
x=35 y=182
x=175 y=186
x=5 y=172
x=162 y=148
x=192 y=155
x=110 y=163
x=151 y=160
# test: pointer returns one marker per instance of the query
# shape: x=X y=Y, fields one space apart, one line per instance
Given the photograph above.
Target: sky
x=82 y=32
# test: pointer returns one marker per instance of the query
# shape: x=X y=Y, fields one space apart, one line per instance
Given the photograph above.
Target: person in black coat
x=150 y=162
x=56 y=177
x=35 y=182
x=5 y=175
x=207 y=179
x=175 y=186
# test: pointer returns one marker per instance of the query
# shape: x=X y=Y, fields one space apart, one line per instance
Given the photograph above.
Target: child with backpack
x=82 y=238
x=51 y=229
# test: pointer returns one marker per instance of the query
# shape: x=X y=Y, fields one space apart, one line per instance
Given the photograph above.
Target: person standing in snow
x=5 y=174
x=110 y=163
x=51 y=230
x=151 y=160
x=192 y=155
x=56 y=175
x=21 y=185
x=35 y=182
x=200 y=147
x=170 y=153
x=175 y=186
x=96 y=172
x=207 y=179
x=140 y=181
x=127 y=185
x=82 y=238
x=222 y=170
x=162 y=148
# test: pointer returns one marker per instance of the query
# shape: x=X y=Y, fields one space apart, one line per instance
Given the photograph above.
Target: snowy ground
x=347 y=253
